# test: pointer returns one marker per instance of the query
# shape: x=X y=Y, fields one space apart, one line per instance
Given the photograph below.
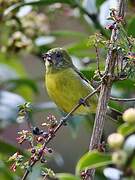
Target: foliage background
x=29 y=28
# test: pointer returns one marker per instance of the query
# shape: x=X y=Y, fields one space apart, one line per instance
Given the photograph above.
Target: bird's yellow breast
x=66 y=87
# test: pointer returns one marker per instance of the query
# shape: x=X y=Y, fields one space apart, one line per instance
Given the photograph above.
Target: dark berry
x=45 y=135
x=43 y=160
x=40 y=152
x=36 y=158
x=50 y=150
x=41 y=131
x=51 y=131
x=33 y=150
x=36 y=131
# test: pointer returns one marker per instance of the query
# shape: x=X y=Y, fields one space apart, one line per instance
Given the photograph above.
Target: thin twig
x=62 y=122
x=122 y=99
x=97 y=58
x=105 y=88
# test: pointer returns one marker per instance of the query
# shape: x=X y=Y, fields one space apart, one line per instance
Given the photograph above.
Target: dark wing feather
x=93 y=83
x=81 y=75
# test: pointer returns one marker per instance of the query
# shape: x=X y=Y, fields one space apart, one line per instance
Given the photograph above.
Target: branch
x=62 y=122
x=97 y=58
x=105 y=87
x=122 y=99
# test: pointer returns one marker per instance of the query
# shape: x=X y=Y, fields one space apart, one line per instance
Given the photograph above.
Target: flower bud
x=45 y=135
x=119 y=158
x=115 y=140
x=129 y=115
x=33 y=150
x=40 y=138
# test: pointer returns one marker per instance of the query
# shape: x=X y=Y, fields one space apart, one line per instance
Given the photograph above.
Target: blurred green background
x=30 y=28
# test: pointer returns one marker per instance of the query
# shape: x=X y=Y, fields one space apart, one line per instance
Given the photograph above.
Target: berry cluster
x=37 y=140
x=123 y=146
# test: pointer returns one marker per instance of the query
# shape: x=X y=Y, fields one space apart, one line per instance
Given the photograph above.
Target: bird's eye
x=58 y=55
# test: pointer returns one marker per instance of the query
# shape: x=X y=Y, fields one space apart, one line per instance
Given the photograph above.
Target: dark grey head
x=56 y=59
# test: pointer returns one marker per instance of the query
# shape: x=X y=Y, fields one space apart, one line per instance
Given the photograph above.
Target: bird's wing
x=81 y=75
x=93 y=83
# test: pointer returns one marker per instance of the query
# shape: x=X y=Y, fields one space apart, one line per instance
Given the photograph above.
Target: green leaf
x=99 y=2
x=6 y=148
x=9 y=149
x=79 y=49
x=66 y=176
x=24 y=82
x=12 y=62
x=5 y=173
x=123 y=85
x=133 y=163
x=38 y=3
x=67 y=33
x=97 y=40
x=115 y=105
x=126 y=129
x=131 y=27
x=93 y=159
x=88 y=73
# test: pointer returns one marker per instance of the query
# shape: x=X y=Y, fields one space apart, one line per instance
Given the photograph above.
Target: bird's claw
x=64 y=121
x=83 y=102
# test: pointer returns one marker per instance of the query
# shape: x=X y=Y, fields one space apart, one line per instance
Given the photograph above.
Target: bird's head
x=57 y=59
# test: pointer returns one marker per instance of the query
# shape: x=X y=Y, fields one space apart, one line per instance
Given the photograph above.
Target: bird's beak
x=47 y=57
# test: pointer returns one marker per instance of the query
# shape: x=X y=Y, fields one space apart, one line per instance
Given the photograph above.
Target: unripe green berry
x=129 y=115
x=119 y=158
x=115 y=140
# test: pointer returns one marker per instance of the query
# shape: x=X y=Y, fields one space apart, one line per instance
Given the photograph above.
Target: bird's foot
x=83 y=102
x=64 y=121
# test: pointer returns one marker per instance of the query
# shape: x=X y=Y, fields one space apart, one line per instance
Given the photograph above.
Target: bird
x=66 y=85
